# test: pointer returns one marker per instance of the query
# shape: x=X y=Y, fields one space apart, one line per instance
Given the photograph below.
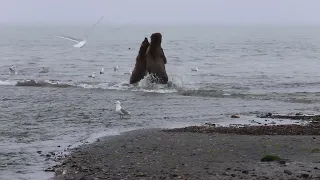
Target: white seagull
x=93 y=75
x=116 y=68
x=44 y=70
x=196 y=69
x=120 y=110
x=102 y=71
x=13 y=70
x=80 y=43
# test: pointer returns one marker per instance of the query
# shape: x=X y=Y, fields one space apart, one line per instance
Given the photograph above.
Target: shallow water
x=242 y=70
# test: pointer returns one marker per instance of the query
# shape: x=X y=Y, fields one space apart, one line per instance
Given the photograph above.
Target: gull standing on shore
x=116 y=68
x=93 y=75
x=102 y=71
x=120 y=110
x=196 y=69
x=13 y=70
x=80 y=42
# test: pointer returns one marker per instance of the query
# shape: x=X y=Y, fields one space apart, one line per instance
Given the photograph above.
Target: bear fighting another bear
x=151 y=59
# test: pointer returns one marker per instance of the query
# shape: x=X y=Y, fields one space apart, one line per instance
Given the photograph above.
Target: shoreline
x=181 y=153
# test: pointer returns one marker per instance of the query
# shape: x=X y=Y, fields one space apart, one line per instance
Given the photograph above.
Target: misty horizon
x=165 y=12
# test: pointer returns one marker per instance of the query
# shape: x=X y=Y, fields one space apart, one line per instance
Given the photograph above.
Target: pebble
x=287 y=172
x=303 y=175
x=49 y=169
x=245 y=172
x=235 y=116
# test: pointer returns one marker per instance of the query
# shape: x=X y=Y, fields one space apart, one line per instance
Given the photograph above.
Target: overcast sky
x=162 y=11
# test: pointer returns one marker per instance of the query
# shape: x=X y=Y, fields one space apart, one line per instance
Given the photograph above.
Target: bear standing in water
x=139 y=70
x=156 y=60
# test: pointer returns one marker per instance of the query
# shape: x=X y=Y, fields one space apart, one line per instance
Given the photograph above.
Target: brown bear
x=156 y=60
x=139 y=70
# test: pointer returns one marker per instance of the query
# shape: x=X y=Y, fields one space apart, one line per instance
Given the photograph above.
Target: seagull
x=80 y=43
x=44 y=70
x=13 y=69
x=120 y=110
x=196 y=69
x=116 y=68
x=102 y=71
x=93 y=75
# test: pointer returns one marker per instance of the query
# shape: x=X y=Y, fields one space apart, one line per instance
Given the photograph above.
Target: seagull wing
x=69 y=38
x=87 y=34
x=97 y=22
x=125 y=111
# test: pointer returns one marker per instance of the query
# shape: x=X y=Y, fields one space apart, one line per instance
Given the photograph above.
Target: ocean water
x=242 y=70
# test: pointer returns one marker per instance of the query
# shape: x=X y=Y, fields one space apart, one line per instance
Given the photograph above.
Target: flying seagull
x=80 y=42
x=120 y=110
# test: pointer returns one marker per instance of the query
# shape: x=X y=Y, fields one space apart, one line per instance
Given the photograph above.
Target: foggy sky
x=162 y=11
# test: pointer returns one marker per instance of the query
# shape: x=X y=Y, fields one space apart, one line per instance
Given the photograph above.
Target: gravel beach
x=177 y=154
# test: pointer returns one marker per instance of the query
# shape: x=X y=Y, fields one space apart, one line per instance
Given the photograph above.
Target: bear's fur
x=156 y=60
x=139 y=70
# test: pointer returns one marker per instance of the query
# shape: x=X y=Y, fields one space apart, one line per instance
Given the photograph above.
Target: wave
x=142 y=86
x=45 y=83
x=175 y=86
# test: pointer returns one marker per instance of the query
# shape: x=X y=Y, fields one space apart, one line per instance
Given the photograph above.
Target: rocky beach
x=199 y=152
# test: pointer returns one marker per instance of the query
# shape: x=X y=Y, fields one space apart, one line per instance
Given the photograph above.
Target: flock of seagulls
x=116 y=68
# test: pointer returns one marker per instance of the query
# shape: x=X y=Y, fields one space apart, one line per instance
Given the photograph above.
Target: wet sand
x=177 y=154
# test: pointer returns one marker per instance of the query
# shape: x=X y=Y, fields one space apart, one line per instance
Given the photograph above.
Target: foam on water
x=7 y=83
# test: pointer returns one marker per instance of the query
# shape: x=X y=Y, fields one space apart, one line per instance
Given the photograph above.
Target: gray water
x=242 y=70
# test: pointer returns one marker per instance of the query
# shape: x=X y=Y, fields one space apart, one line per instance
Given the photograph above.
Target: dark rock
x=235 y=116
x=287 y=172
x=315 y=168
x=228 y=169
x=313 y=137
x=58 y=146
x=39 y=152
x=49 y=169
x=245 y=172
x=48 y=155
x=268 y=158
x=233 y=175
x=140 y=174
x=304 y=175
x=174 y=175
x=87 y=178
x=282 y=162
